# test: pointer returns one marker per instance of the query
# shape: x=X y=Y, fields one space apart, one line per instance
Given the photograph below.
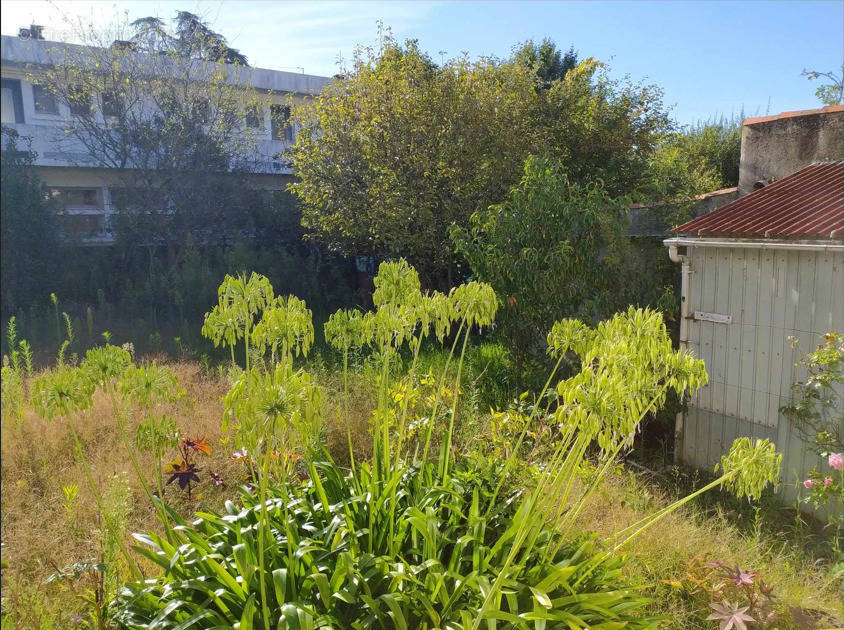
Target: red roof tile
x=829 y=109
x=806 y=204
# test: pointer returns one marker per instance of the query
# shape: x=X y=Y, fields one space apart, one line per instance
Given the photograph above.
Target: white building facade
x=80 y=187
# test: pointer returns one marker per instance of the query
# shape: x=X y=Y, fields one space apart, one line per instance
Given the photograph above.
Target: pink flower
x=827 y=481
x=807 y=483
x=239 y=454
x=836 y=461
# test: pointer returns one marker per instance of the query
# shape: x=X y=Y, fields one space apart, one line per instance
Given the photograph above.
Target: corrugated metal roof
x=806 y=204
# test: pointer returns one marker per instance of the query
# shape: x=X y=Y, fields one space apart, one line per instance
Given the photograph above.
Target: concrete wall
x=773 y=147
x=771 y=295
x=710 y=201
x=648 y=219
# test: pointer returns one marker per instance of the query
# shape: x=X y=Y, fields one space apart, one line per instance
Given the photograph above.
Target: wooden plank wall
x=772 y=295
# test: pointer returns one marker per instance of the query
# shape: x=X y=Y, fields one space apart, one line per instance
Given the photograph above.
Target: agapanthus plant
x=420 y=536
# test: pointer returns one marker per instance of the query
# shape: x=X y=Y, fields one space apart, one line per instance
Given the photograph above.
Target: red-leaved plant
x=183 y=469
x=740 y=599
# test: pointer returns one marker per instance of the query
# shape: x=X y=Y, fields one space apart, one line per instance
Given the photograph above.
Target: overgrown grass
x=714 y=533
x=43 y=532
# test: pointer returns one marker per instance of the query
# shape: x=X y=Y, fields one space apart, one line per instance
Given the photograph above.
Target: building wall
x=90 y=224
x=771 y=296
x=55 y=148
x=773 y=147
x=65 y=164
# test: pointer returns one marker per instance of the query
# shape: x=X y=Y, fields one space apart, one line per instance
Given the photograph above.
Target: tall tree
x=27 y=233
x=192 y=38
x=401 y=149
x=601 y=128
x=164 y=112
x=391 y=156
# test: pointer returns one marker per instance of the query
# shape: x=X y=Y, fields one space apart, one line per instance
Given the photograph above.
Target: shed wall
x=771 y=295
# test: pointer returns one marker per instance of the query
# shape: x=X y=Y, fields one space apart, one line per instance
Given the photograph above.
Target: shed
x=755 y=272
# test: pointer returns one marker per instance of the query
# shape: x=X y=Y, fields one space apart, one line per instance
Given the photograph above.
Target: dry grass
x=659 y=552
x=39 y=536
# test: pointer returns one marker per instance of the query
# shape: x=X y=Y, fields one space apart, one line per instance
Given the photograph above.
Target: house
x=756 y=272
x=82 y=188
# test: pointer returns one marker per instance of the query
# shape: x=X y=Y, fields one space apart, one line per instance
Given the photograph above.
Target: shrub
x=553 y=249
x=818 y=415
x=326 y=566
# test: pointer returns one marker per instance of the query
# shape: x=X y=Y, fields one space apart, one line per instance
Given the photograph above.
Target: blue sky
x=709 y=57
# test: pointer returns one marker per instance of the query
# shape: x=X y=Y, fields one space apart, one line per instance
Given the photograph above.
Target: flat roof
x=15 y=51
x=829 y=109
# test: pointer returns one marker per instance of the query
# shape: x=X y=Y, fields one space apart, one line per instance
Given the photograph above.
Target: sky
x=712 y=59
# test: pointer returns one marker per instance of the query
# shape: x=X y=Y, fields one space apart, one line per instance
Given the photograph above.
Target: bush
x=554 y=249
x=346 y=564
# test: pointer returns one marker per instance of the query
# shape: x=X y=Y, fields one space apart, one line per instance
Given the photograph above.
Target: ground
x=43 y=531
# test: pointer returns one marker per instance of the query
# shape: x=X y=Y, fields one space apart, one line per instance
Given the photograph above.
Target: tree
x=193 y=38
x=401 y=149
x=549 y=63
x=27 y=227
x=554 y=248
x=164 y=113
x=391 y=156
x=831 y=93
x=601 y=128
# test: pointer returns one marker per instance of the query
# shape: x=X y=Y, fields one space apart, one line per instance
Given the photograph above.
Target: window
x=45 y=100
x=76 y=226
x=254 y=117
x=12 y=103
x=282 y=129
x=80 y=101
x=80 y=211
x=77 y=199
x=202 y=109
x=110 y=103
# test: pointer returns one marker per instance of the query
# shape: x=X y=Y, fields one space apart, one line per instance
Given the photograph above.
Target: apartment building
x=80 y=186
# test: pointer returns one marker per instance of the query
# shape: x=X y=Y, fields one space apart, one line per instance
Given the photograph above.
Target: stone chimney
x=775 y=146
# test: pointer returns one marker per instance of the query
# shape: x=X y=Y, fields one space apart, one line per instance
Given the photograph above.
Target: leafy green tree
x=690 y=162
x=600 y=128
x=27 y=221
x=548 y=61
x=391 y=156
x=401 y=149
x=832 y=92
x=715 y=145
x=555 y=248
